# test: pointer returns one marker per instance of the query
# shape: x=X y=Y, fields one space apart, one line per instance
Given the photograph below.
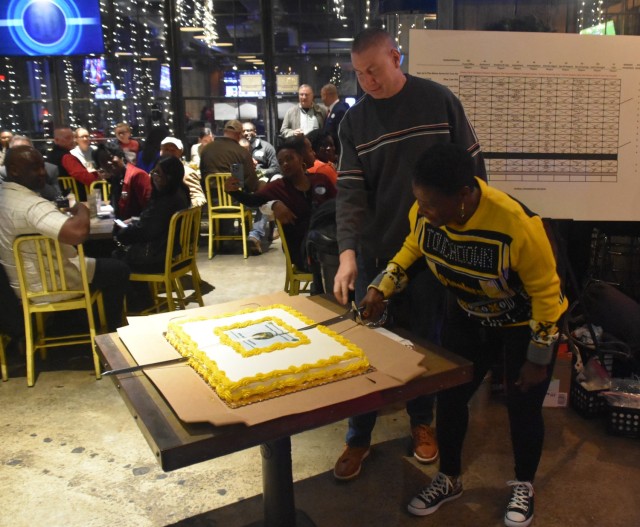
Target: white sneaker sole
x=425 y=460
x=511 y=523
x=425 y=512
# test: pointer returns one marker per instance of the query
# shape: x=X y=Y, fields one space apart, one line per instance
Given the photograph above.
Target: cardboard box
x=194 y=401
x=558 y=392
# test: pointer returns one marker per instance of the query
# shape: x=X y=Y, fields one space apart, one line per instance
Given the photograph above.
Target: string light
x=71 y=92
x=10 y=121
x=209 y=23
x=338 y=9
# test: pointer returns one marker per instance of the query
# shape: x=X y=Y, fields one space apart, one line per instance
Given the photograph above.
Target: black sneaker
x=520 y=509
x=441 y=490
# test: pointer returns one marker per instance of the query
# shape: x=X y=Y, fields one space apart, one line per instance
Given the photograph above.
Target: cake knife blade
x=139 y=367
x=330 y=321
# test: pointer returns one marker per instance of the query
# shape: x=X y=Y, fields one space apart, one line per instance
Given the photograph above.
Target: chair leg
x=102 y=317
x=177 y=286
x=40 y=335
x=195 y=278
x=245 y=235
x=210 y=238
x=96 y=358
x=169 y=292
x=30 y=352
x=3 y=357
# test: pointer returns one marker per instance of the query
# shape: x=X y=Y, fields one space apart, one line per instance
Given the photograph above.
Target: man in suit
x=335 y=111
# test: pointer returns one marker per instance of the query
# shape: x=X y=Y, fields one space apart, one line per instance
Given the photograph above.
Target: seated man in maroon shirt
x=67 y=163
x=130 y=185
x=295 y=196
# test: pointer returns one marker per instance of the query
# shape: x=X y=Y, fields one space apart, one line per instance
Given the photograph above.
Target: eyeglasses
x=83 y=137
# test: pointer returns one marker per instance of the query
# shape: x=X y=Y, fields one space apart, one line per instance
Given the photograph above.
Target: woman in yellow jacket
x=493 y=256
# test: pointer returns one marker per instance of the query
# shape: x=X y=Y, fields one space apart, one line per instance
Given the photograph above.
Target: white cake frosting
x=259 y=353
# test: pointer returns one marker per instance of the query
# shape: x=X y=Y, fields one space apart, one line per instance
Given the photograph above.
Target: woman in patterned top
x=493 y=256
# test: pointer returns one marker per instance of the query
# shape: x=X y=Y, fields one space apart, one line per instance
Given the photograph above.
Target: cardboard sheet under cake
x=194 y=400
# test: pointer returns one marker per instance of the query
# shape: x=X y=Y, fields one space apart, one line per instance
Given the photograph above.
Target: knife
x=139 y=367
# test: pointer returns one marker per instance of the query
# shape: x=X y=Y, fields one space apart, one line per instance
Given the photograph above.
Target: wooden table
x=177 y=444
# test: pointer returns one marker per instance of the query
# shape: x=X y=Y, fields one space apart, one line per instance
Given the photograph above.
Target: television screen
x=94 y=71
x=607 y=28
x=235 y=81
x=50 y=27
x=165 y=78
x=107 y=90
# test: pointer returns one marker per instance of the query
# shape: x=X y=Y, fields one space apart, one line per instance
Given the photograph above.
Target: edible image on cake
x=260 y=336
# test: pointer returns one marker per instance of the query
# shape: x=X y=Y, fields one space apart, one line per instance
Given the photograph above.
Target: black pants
x=112 y=278
x=482 y=345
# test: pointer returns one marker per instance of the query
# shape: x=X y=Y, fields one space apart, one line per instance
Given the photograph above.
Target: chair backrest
x=214 y=183
x=104 y=187
x=182 y=244
x=67 y=182
x=43 y=264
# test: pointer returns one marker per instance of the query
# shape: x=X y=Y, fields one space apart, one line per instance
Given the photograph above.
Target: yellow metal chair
x=225 y=209
x=296 y=281
x=45 y=258
x=104 y=186
x=180 y=260
x=67 y=182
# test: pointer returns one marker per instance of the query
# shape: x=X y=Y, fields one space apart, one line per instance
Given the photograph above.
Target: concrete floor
x=72 y=455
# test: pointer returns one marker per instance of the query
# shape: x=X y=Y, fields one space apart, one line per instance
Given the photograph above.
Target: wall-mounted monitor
x=606 y=28
x=35 y=28
x=165 y=78
x=107 y=90
x=234 y=87
x=94 y=71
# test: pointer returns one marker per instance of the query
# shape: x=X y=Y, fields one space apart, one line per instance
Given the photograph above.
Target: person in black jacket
x=145 y=240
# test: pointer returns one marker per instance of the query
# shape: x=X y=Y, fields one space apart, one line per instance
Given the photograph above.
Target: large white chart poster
x=558 y=115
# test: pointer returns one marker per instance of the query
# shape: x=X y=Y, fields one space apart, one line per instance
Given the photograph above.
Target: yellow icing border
x=233 y=392
x=225 y=339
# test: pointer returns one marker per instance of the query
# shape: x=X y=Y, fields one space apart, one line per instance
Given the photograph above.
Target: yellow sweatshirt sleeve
x=394 y=279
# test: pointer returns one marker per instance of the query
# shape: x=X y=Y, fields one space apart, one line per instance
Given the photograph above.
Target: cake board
x=194 y=400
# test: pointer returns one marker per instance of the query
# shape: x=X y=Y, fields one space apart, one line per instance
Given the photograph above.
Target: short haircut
x=105 y=152
x=16 y=153
x=330 y=88
x=293 y=143
x=20 y=139
x=122 y=125
x=370 y=37
x=445 y=167
x=317 y=138
x=204 y=132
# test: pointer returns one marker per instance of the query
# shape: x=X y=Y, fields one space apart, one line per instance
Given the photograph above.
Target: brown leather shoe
x=425 y=445
x=350 y=462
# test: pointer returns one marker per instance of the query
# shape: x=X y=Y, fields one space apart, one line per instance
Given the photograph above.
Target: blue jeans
x=425 y=321
x=260 y=229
